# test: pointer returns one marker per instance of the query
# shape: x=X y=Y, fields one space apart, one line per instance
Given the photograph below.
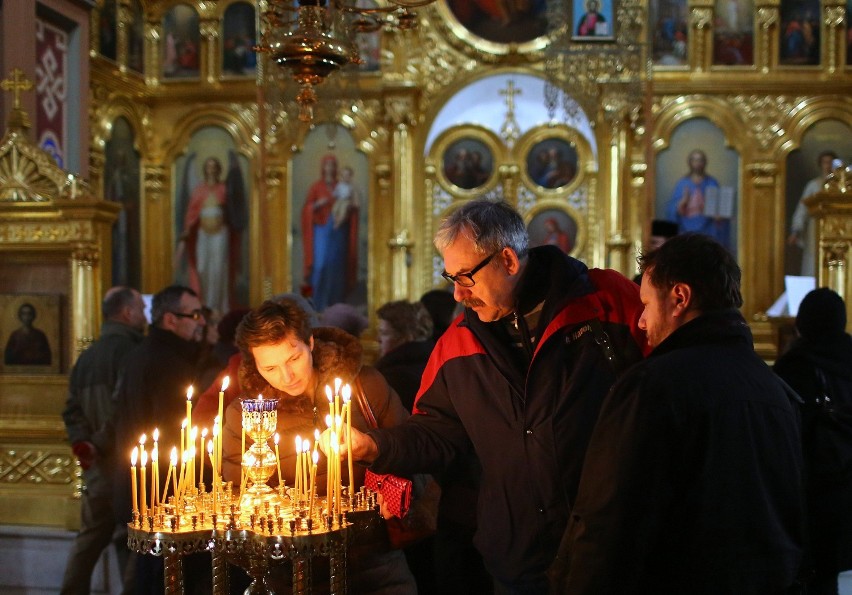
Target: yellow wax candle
x=330 y=396
x=201 y=456
x=312 y=491
x=298 y=483
x=166 y=485
x=189 y=407
x=336 y=485
x=182 y=437
x=155 y=479
x=337 y=383
x=278 y=461
x=155 y=468
x=173 y=471
x=347 y=413
x=225 y=384
x=143 y=456
x=217 y=467
x=306 y=466
x=134 y=454
x=211 y=453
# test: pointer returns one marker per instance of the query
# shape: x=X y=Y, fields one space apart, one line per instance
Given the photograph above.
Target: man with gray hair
x=87 y=412
x=517 y=381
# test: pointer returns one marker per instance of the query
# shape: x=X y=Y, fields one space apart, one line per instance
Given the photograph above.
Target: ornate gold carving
x=30 y=232
x=837 y=227
x=701 y=17
x=155 y=181
x=763 y=174
x=766 y=114
x=767 y=16
x=86 y=255
x=38 y=467
x=834 y=16
x=400 y=110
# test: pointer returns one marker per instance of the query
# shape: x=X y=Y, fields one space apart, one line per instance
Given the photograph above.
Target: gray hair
x=490 y=225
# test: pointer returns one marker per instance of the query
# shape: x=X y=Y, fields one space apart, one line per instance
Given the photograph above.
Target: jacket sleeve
x=76 y=424
x=429 y=440
x=623 y=495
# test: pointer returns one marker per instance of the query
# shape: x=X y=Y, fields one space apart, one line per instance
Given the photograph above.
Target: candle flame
x=134 y=454
x=156 y=434
x=306 y=445
x=189 y=393
x=225 y=383
x=174 y=457
x=298 y=444
x=347 y=393
x=142 y=439
x=204 y=433
x=155 y=454
x=144 y=459
x=277 y=438
x=328 y=420
x=215 y=429
x=185 y=457
x=316 y=434
x=337 y=383
x=183 y=424
x=316 y=457
x=328 y=393
x=210 y=447
x=194 y=433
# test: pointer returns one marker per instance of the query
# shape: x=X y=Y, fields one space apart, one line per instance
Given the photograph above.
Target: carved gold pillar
x=832 y=210
x=123 y=20
x=834 y=42
x=400 y=110
x=209 y=28
x=84 y=295
x=153 y=33
x=766 y=30
x=157 y=268
x=615 y=168
x=759 y=245
x=701 y=38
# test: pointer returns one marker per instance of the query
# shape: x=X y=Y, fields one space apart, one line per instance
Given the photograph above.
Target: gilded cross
x=16 y=84
x=510 y=91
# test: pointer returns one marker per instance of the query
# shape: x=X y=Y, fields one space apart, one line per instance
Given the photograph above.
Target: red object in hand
x=85 y=453
x=395 y=491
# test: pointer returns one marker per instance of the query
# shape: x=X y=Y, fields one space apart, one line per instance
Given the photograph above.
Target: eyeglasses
x=466 y=279
x=195 y=314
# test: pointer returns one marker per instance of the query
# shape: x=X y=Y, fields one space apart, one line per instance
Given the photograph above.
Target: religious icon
x=552 y=163
x=670 y=33
x=238 y=39
x=733 y=33
x=29 y=331
x=211 y=220
x=501 y=22
x=180 y=43
x=136 y=38
x=554 y=227
x=468 y=163
x=593 y=19
x=121 y=185
x=799 y=32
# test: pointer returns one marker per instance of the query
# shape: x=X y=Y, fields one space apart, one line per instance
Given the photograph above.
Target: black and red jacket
x=529 y=428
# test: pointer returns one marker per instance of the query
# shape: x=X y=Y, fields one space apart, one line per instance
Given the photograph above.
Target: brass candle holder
x=259 y=461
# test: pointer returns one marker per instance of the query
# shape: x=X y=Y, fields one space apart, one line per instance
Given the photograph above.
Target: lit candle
x=330 y=396
x=225 y=383
x=155 y=479
x=337 y=383
x=347 y=408
x=329 y=475
x=278 y=461
x=183 y=437
x=155 y=468
x=134 y=454
x=142 y=478
x=216 y=455
x=335 y=486
x=189 y=407
x=298 y=483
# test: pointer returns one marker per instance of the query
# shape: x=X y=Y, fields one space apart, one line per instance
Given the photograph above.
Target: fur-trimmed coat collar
x=336 y=354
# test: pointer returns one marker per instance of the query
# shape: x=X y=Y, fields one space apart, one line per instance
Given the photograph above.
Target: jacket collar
x=718 y=326
x=111 y=327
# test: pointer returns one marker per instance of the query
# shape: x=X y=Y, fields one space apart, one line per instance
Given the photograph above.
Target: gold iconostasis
x=590 y=117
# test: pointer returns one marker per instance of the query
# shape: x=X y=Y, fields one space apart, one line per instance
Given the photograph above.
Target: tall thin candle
x=225 y=384
x=155 y=468
x=173 y=471
x=144 y=462
x=312 y=490
x=155 y=479
x=134 y=454
x=278 y=461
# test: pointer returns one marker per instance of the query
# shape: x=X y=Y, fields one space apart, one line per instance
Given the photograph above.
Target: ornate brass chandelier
x=314 y=38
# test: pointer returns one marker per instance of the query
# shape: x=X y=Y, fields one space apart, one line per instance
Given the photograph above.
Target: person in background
x=87 y=413
x=803 y=227
x=442 y=308
x=152 y=394
x=692 y=479
x=405 y=342
x=819 y=367
x=345 y=317
x=517 y=382
x=285 y=358
x=661 y=230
